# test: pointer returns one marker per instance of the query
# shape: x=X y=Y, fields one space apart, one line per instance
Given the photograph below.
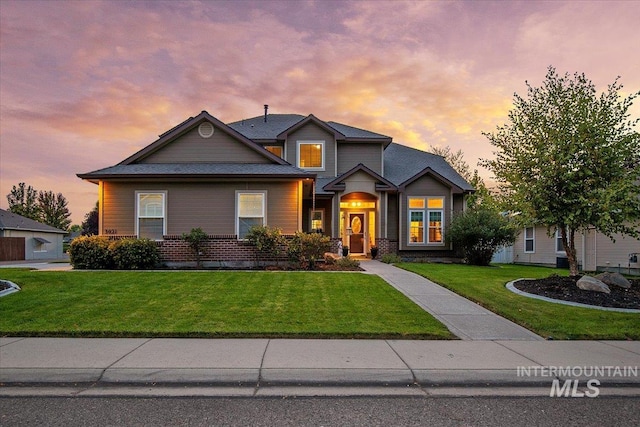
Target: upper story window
x=311 y=155
x=151 y=215
x=275 y=149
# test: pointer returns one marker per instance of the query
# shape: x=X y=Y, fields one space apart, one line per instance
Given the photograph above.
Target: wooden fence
x=12 y=248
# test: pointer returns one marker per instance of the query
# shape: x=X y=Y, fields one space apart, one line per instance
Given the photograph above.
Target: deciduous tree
x=569 y=159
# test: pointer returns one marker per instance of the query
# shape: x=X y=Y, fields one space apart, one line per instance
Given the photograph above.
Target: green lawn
x=486 y=286
x=210 y=304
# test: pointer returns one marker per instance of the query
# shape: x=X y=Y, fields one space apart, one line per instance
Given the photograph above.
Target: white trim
x=311 y=142
x=163 y=193
x=237 y=210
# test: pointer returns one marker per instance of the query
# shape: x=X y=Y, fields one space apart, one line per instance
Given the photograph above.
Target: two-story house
x=294 y=172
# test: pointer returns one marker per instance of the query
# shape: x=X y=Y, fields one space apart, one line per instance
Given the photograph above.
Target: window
x=416 y=230
x=435 y=226
x=39 y=244
x=250 y=211
x=274 y=149
x=311 y=155
x=529 y=240
x=317 y=220
x=151 y=218
x=559 y=246
x=431 y=208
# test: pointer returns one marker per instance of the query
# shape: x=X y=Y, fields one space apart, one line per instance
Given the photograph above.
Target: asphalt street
x=354 y=411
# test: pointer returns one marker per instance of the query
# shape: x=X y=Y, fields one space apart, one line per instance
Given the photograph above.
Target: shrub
x=267 y=240
x=347 y=262
x=307 y=248
x=90 y=252
x=196 y=239
x=478 y=233
x=390 y=258
x=134 y=254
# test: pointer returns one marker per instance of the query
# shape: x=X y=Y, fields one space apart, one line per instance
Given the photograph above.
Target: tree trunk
x=569 y=243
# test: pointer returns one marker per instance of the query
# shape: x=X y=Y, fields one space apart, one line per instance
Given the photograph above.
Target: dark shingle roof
x=203 y=170
x=12 y=221
x=402 y=163
x=257 y=128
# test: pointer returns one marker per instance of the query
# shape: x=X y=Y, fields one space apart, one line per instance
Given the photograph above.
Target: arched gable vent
x=206 y=129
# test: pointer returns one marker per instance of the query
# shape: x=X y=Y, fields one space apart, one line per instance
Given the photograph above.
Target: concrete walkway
x=87 y=366
x=465 y=319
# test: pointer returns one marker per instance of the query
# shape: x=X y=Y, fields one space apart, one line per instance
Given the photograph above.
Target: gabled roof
x=190 y=124
x=197 y=170
x=337 y=184
x=277 y=126
x=311 y=119
x=12 y=221
x=403 y=165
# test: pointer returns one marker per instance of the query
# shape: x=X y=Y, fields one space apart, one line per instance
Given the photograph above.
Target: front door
x=356 y=240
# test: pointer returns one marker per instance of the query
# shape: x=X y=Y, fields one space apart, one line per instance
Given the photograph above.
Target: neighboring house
x=595 y=251
x=294 y=172
x=25 y=239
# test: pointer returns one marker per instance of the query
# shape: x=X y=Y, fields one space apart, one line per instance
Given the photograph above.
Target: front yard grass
x=210 y=304
x=486 y=286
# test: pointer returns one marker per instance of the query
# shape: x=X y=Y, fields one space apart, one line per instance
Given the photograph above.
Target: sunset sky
x=85 y=84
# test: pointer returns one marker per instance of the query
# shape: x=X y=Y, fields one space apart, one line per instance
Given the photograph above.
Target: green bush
x=196 y=239
x=390 y=258
x=268 y=241
x=347 y=262
x=478 y=233
x=134 y=254
x=90 y=253
x=307 y=248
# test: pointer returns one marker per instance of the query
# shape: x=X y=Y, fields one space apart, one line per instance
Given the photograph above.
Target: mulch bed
x=564 y=288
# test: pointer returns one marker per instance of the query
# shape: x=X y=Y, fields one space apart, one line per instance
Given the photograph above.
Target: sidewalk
x=90 y=363
x=465 y=319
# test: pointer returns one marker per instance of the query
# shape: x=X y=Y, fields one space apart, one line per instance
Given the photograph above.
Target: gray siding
x=210 y=206
x=192 y=148
x=349 y=155
x=392 y=217
x=312 y=132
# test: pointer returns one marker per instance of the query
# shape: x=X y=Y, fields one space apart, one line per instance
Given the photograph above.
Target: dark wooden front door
x=356 y=241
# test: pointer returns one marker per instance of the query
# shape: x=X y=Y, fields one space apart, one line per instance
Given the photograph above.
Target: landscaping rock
x=589 y=283
x=616 y=279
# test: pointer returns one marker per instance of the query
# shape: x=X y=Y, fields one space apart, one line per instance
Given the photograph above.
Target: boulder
x=589 y=283
x=615 y=279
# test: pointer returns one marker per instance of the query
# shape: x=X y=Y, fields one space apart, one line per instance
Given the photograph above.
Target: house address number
x=110 y=231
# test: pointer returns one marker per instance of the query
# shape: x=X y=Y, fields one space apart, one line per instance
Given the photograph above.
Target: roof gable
x=311 y=119
x=152 y=152
x=337 y=184
x=403 y=165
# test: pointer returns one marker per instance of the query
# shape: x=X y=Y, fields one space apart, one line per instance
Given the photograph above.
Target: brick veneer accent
x=219 y=251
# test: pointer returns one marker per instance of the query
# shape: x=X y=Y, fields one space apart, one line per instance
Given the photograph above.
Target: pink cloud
x=108 y=77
